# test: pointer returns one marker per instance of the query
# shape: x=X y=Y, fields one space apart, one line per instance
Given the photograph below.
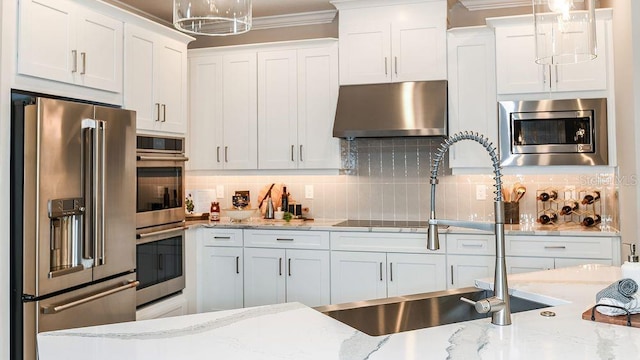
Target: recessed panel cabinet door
x=171 y=85
x=264 y=280
x=415 y=273
x=221 y=279
x=47 y=38
x=308 y=277
x=139 y=82
x=358 y=276
x=465 y=269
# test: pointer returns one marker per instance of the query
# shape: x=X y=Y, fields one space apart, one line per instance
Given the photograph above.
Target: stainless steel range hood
x=392 y=110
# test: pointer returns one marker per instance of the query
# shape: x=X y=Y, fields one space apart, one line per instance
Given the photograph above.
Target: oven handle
x=150 y=236
x=161 y=158
x=54 y=309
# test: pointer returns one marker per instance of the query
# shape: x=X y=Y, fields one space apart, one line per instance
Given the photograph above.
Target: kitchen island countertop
x=294 y=331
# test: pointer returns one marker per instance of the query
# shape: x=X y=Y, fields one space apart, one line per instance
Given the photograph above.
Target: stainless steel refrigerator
x=73 y=225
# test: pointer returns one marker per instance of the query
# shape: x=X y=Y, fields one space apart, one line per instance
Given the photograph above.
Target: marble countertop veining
x=294 y=331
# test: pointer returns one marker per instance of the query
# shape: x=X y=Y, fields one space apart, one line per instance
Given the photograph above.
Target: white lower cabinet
x=415 y=273
x=172 y=306
x=285 y=266
x=465 y=269
x=222 y=279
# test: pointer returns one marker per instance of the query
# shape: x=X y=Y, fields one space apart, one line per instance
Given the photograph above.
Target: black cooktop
x=384 y=223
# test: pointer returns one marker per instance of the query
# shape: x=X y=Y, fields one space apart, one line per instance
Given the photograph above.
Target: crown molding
x=299 y=19
x=474 y=5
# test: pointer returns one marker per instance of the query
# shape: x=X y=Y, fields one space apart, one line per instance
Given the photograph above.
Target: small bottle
x=590 y=198
x=591 y=220
x=631 y=267
x=568 y=209
x=548 y=218
x=214 y=215
x=285 y=199
x=269 y=213
x=165 y=200
x=546 y=196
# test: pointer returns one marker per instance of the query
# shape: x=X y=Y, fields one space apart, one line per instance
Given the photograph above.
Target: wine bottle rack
x=560 y=198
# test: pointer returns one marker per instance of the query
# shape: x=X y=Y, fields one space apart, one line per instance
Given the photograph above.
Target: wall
x=390 y=181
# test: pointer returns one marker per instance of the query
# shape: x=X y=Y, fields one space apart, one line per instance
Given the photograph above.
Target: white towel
x=632 y=306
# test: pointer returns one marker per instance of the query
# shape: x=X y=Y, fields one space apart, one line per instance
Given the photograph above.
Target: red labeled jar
x=214 y=214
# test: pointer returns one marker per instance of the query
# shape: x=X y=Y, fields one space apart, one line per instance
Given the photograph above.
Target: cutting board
x=616 y=320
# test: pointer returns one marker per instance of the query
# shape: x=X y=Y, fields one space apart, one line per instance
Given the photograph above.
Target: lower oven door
x=160 y=262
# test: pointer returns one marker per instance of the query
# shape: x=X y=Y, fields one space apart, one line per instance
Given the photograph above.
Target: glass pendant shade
x=212 y=17
x=565 y=31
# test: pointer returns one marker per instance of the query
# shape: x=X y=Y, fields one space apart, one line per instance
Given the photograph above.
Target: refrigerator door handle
x=97 y=174
x=54 y=309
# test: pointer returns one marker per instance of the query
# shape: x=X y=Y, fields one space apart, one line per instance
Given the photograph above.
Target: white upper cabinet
x=297 y=97
x=223 y=130
x=156 y=80
x=392 y=43
x=472 y=93
x=517 y=72
x=63 y=41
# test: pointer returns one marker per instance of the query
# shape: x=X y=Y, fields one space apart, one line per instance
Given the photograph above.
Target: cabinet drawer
x=386 y=242
x=291 y=239
x=559 y=246
x=221 y=237
x=477 y=244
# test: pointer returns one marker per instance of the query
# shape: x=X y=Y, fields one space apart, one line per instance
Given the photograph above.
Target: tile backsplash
x=388 y=179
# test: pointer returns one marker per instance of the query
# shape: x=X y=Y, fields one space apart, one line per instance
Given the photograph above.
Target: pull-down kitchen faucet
x=498 y=305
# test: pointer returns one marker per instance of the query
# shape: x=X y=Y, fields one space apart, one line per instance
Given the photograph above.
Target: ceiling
x=163 y=9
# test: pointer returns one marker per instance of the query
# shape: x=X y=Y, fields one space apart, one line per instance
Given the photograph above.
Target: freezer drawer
x=111 y=301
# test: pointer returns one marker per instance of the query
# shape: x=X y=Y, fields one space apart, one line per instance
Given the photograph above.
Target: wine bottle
x=285 y=199
x=591 y=220
x=548 y=218
x=546 y=196
x=568 y=209
x=590 y=198
x=165 y=199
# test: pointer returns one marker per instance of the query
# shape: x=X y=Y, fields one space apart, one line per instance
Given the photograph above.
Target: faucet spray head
x=433 y=242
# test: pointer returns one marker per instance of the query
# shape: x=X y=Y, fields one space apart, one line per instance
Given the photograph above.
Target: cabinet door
x=587 y=75
x=357 y=276
x=240 y=128
x=418 y=42
x=139 y=89
x=308 y=277
x=47 y=39
x=402 y=270
x=205 y=120
x=277 y=110
x=264 y=281
x=472 y=94
x=317 y=100
x=465 y=269
x=517 y=265
x=365 y=46
x=100 y=51
x=516 y=69
x=171 y=85
x=221 y=279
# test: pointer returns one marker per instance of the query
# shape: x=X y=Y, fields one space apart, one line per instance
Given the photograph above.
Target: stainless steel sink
x=398 y=314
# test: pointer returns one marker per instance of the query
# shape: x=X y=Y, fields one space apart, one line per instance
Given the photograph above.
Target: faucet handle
x=484 y=306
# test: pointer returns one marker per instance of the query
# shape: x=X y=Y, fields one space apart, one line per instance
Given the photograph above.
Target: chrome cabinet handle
x=555 y=247
x=556 y=68
x=391 y=271
x=218 y=153
x=301 y=153
x=385 y=66
x=472 y=245
x=280 y=266
x=222 y=237
x=284 y=239
x=292 y=146
x=157 y=111
x=451 y=274
x=74 y=54
x=396 y=65
x=237 y=264
x=53 y=309
x=289 y=266
x=83 y=56
x=380 y=271
x=226 y=154
x=164 y=112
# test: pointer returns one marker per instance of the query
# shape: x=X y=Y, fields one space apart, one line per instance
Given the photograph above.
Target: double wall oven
x=159 y=217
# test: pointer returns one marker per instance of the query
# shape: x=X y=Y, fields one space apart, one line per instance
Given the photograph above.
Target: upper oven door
x=160 y=189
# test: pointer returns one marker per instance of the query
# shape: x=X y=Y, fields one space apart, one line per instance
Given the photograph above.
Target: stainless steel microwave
x=553 y=132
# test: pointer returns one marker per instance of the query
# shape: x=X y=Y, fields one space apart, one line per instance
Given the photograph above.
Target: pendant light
x=565 y=31
x=212 y=17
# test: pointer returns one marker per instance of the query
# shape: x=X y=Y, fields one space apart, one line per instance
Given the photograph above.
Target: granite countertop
x=412 y=227
x=294 y=331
